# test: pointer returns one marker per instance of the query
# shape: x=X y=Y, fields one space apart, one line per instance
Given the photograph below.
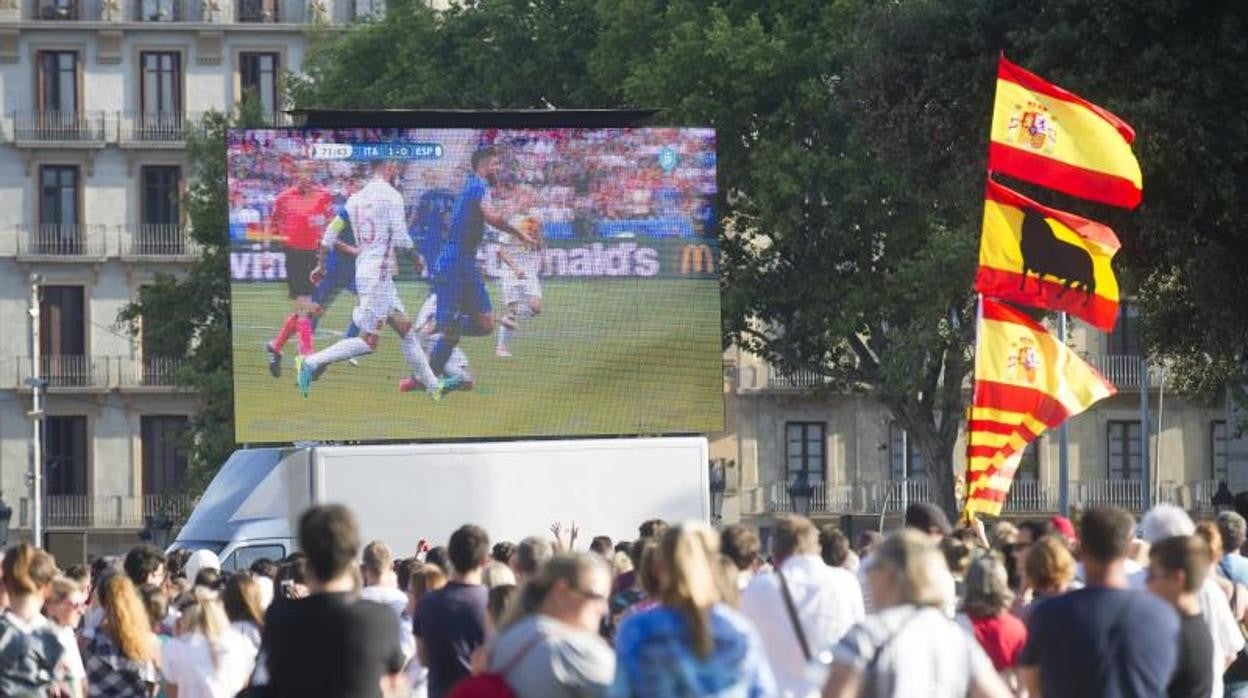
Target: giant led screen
x=473 y=283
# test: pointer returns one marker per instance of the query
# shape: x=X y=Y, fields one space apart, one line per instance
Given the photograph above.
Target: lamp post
x=6 y=515
x=156 y=528
x=1223 y=500
x=800 y=493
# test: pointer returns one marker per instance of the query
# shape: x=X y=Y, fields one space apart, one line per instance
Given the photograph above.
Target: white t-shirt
x=72 y=660
x=187 y=662
x=828 y=602
x=396 y=601
x=379 y=225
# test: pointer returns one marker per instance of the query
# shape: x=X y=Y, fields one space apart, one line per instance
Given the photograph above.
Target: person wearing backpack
x=549 y=645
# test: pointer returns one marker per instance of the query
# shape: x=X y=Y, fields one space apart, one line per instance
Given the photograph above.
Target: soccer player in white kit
x=426 y=327
x=377 y=216
x=522 y=291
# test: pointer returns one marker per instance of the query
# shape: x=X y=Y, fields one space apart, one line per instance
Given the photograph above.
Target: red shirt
x=301 y=217
x=1002 y=637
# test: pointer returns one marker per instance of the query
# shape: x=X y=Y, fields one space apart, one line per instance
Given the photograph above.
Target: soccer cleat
x=305 y=375
x=409 y=384
x=502 y=353
x=354 y=362
x=275 y=360
x=445 y=386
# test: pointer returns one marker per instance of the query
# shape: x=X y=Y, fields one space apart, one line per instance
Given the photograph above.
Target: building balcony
x=104 y=511
x=62 y=129
x=156 y=242
x=65 y=372
x=1027 y=497
x=61 y=242
x=1125 y=371
x=155 y=129
x=148 y=372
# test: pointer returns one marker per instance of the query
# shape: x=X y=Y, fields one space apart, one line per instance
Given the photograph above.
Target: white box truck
x=402 y=493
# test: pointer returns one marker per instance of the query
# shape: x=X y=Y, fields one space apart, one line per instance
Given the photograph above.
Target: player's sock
x=341 y=350
x=353 y=330
x=504 y=333
x=418 y=361
x=304 y=325
x=283 y=334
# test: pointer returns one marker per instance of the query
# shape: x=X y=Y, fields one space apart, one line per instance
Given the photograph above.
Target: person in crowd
x=145 y=564
x=1177 y=569
x=208 y=658
x=802 y=605
x=647 y=531
x=210 y=579
x=986 y=610
x=156 y=604
x=1104 y=639
x=865 y=545
x=404 y=570
x=199 y=561
x=1166 y=521
x=1048 y=571
x=726 y=575
x=175 y=563
x=292 y=579
x=835 y=550
x=426 y=579
x=601 y=546
x=691 y=644
x=243 y=606
x=740 y=544
x=81 y=574
x=1235 y=593
x=530 y=555
x=549 y=646
x=649 y=580
x=438 y=556
x=497 y=574
x=32 y=655
x=381 y=585
x=264 y=567
x=1233 y=565
x=621 y=563
x=328 y=643
x=497 y=604
x=450 y=623
x=121 y=656
x=1064 y=529
x=930 y=520
x=910 y=647
x=1003 y=533
x=958 y=559
x=65 y=607
x=502 y=551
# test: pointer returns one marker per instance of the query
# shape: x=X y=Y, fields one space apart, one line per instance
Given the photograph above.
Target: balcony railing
x=66 y=371
x=156 y=240
x=261 y=11
x=155 y=127
x=793 y=380
x=61 y=240
x=148 y=372
x=65 y=10
x=1124 y=370
x=160 y=11
x=86 y=127
x=105 y=511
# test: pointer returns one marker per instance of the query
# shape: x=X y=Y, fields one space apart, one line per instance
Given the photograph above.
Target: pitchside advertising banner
x=469 y=283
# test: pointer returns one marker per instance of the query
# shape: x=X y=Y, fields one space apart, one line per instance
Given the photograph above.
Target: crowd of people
x=572 y=179
x=1033 y=609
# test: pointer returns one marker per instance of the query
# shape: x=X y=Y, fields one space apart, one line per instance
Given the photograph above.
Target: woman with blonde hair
x=32 y=657
x=208 y=658
x=691 y=643
x=121 y=656
x=1048 y=570
x=909 y=647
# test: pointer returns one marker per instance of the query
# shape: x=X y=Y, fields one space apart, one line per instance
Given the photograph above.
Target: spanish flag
x=1026 y=381
x=1047 y=136
x=1044 y=258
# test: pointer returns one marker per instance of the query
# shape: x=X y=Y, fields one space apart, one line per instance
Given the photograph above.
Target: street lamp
x=156 y=528
x=719 y=483
x=6 y=515
x=800 y=492
x=1223 y=500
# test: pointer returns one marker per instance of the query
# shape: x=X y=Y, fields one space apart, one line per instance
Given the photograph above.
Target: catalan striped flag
x=1026 y=381
x=1033 y=255
x=1048 y=136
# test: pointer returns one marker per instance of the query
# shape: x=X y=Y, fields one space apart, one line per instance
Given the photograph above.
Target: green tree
x=189 y=315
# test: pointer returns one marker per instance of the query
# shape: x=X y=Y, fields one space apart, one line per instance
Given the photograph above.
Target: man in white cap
x=201 y=560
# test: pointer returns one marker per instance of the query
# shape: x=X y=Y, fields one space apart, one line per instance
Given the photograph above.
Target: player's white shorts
x=515 y=289
x=377 y=300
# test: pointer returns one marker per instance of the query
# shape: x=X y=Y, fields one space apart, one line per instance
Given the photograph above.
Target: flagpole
x=1063 y=445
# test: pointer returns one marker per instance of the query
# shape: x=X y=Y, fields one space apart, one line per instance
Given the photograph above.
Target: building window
x=164 y=467
x=161 y=193
x=903 y=450
x=1029 y=465
x=58 y=81
x=1125 y=457
x=58 y=9
x=1125 y=339
x=804 y=450
x=257 y=74
x=161 y=88
x=63 y=336
x=58 y=195
x=257 y=11
x=65 y=456
x=159 y=11
x=1217 y=450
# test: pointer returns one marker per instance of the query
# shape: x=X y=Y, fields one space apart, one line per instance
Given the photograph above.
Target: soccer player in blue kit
x=463 y=301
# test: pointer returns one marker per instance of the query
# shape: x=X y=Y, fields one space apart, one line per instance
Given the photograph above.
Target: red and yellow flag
x=1026 y=381
x=1045 y=258
x=1048 y=136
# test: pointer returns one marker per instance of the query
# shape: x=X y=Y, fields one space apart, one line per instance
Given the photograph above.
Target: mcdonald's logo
x=697 y=258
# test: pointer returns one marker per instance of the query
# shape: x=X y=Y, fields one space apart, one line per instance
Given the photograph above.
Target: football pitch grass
x=606 y=356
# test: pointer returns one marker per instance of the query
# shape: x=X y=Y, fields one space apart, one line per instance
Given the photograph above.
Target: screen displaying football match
x=473 y=283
